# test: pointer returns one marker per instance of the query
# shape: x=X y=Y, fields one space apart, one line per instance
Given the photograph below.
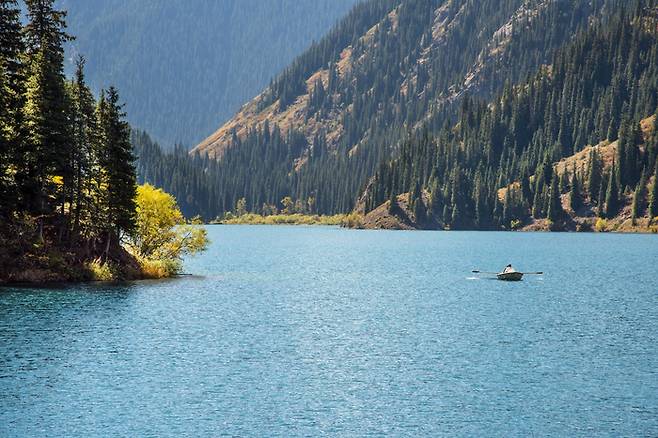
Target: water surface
x=288 y=331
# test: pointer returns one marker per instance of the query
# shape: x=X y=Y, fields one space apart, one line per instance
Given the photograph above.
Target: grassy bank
x=286 y=219
x=53 y=264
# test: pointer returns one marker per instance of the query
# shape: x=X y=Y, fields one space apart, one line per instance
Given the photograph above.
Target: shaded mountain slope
x=417 y=57
x=189 y=64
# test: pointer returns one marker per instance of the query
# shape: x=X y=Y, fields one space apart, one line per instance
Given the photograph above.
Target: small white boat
x=510 y=276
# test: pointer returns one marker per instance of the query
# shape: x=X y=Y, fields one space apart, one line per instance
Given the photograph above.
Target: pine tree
x=635 y=205
x=85 y=152
x=603 y=188
x=653 y=197
x=46 y=151
x=537 y=201
x=574 y=192
x=555 y=211
x=593 y=176
x=507 y=208
x=612 y=194
x=11 y=103
x=393 y=203
x=456 y=217
x=118 y=165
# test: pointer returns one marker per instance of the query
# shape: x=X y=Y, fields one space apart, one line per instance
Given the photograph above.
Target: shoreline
x=75 y=274
x=469 y=230
x=284 y=219
x=356 y=222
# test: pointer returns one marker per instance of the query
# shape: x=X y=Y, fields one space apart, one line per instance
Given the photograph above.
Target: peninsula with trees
x=69 y=204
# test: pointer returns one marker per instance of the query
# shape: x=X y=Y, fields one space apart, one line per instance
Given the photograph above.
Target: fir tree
x=574 y=192
x=45 y=153
x=555 y=211
x=653 y=197
x=85 y=157
x=593 y=176
x=612 y=194
x=117 y=163
x=635 y=206
x=11 y=103
x=393 y=203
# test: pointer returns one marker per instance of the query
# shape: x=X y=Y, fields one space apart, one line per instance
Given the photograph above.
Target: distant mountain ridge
x=185 y=65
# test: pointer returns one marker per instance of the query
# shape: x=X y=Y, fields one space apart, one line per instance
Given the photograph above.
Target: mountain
x=440 y=96
x=396 y=62
x=189 y=64
x=532 y=138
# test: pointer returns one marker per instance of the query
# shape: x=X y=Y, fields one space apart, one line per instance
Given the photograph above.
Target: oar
x=496 y=273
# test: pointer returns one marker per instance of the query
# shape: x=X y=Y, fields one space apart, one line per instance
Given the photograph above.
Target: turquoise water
x=323 y=331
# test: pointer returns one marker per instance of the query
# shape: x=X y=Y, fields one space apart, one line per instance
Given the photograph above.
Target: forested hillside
x=597 y=88
x=190 y=64
x=435 y=86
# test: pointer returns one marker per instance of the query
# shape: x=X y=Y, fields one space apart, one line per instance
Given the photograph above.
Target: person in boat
x=508 y=268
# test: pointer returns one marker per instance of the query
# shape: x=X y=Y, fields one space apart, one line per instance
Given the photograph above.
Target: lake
x=289 y=331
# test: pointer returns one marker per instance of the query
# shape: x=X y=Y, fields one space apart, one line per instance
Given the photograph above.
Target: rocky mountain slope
x=417 y=59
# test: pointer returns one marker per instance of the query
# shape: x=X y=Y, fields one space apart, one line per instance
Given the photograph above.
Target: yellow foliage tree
x=162 y=233
x=288 y=204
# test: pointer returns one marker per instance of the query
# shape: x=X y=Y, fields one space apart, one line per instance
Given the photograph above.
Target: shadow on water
x=96 y=286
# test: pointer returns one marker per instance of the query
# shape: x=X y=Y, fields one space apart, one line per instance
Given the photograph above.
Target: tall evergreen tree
x=85 y=157
x=393 y=203
x=635 y=206
x=593 y=176
x=574 y=192
x=555 y=212
x=612 y=194
x=11 y=102
x=47 y=147
x=653 y=197
x=117 y=162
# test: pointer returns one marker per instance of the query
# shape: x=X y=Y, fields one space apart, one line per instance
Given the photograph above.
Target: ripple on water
x=322 y=331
